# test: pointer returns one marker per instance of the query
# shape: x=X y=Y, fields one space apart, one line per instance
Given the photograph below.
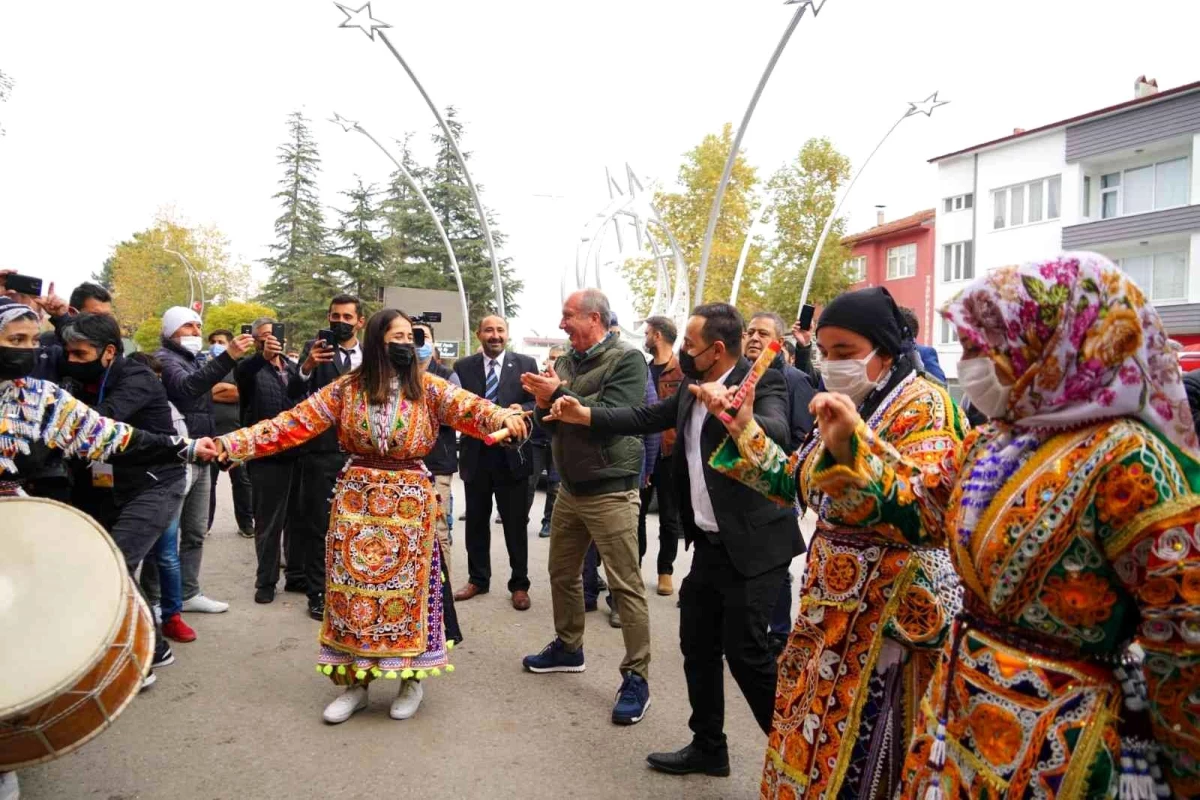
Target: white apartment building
x=1121 y=181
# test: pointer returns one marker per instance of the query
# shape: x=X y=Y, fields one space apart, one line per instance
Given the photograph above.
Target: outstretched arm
x=292 y=428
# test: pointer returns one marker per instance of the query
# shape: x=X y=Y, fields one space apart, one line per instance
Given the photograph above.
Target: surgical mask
x=849 y=377
x=425 y=351
x=687 y=363
x=216 y=350
x=983 y=388
x=87 y=373
x=342 y=331
x=401 y=356
x=193 y=344
x=17 y=362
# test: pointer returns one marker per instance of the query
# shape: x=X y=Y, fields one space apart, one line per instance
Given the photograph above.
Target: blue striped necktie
x=489 y=391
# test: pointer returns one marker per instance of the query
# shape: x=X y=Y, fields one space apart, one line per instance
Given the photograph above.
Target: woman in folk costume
x=877 y=599
x=383 y=594
x=1075 y=527
x=38 y=417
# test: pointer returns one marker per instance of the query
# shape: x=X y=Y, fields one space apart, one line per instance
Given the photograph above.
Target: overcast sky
x=121 y=108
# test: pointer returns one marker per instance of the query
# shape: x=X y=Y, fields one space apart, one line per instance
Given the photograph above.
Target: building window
x=959 y=202
x=948 y=334
x=958 y=261
x=1087 y=196
x=1162 y=276
x=1149 y=188
x=856 y=268
x=902 y=261
x=1036 y=201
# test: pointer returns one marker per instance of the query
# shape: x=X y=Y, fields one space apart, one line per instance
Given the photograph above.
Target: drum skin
x=89 y=704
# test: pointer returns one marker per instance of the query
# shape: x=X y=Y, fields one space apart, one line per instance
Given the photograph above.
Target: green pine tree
x=410 y=240
x=300 y=286
x=360 y=253
x=104 y=276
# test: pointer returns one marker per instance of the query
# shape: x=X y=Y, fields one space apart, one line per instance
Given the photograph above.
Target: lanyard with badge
x=102 y=474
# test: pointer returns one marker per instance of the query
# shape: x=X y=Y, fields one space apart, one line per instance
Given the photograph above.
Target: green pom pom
x=421 y=675
x=361 y=674
x=450 y=644
x=435 y=672
x=449 y=668
x=391 y=675
x=341 y=670
x=320 y=669
x=376 y=671
x=327 y=669
x=407 y=674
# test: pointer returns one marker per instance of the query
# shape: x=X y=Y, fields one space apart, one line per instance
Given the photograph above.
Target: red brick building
x=899 y=256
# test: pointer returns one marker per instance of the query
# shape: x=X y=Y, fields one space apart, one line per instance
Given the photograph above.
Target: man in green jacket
x=598 y=497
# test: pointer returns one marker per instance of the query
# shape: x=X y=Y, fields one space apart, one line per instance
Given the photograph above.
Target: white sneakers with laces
x=408 y=700
x=205 y=605
x=346 y=704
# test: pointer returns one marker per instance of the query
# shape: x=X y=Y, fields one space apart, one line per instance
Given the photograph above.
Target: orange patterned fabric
x=380 y=561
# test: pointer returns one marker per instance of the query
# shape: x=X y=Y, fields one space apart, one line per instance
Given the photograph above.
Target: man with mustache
x=496 y=472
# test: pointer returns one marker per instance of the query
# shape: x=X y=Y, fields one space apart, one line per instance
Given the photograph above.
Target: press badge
x=102 y=475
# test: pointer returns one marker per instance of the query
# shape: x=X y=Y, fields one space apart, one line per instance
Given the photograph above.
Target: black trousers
x=543 y=461
x=725 y=613
x=243 y=501
x=273 y=490
x=139 y=522
x=317 y=477
x=669 y=526
x=510 y=494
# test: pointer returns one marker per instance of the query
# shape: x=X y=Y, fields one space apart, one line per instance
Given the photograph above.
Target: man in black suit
x=500 y=472
x=322 y=459
x=743 y=542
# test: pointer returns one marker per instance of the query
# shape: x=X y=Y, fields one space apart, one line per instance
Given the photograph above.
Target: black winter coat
x=189 y=385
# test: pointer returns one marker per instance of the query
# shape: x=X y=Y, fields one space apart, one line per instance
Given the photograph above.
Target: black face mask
x=402 y=356
x=17 y=362
x=687 y=363
x=342 y=331
x=87 y=373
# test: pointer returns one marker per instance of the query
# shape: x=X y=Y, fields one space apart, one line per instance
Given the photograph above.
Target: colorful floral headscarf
x=1081 y=343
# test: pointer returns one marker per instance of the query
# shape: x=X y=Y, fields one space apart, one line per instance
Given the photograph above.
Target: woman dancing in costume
x=1073 y=524
x=874 y=605
x=383 y=594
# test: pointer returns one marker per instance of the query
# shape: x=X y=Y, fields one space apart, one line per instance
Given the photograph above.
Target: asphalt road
x=238 y=715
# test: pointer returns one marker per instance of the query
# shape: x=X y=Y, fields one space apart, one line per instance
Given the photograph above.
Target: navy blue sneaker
x=633 y=700
x=555 y=658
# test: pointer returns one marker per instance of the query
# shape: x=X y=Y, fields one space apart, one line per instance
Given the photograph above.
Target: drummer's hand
x=715 y=396
x=569 y=410
x=837 y=417
x=517 y=427
x=206 y=449
x=745 y=412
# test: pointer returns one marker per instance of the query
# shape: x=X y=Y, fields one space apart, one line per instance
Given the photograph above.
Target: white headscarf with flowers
x=1081 y=344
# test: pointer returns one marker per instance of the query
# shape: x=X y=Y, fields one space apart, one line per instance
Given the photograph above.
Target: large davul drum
x=76 y=639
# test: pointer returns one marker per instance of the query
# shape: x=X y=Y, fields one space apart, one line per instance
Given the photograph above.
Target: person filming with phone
x=268 y=384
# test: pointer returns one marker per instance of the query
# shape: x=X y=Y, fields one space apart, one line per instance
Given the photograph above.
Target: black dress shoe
x=316 y=609
x=264 y=594
x=298 y=587
x=689 y=761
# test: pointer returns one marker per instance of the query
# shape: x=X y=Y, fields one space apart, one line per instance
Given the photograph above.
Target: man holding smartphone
x=267 y=385
x=322 y=363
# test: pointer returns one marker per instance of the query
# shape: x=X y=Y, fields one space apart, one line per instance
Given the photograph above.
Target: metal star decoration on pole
x=350 y=125
x=925 y=107
x=362 y=19
x=715 y=213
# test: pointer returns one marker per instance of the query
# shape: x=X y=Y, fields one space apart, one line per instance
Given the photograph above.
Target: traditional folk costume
x=383 y=596
x=874 y=607
x=1075 y=529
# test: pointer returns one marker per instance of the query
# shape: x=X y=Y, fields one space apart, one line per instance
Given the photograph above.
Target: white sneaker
x=205 y=605
x=9 y=788
x=148 y=681
x=157 y=614
x=408 y=700
x=344 y=705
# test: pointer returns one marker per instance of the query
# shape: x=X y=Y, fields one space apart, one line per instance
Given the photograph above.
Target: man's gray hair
x=780 y=326
x=594 y=301
x=258 y=323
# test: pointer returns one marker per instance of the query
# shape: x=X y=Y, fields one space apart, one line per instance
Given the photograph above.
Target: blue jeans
x=166 y=556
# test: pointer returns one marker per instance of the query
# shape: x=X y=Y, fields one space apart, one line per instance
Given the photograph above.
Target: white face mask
x=849 y=377
x=983 y=388
x=193 y=344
